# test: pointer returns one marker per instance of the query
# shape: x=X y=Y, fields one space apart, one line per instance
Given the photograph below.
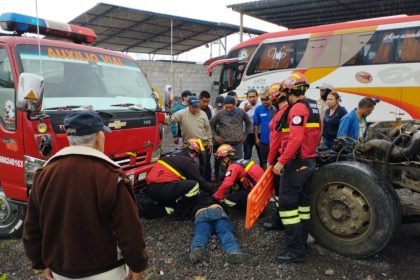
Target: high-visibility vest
x=313 y=120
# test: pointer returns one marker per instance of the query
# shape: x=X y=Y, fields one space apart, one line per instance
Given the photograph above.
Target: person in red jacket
x=240 y=177
x=174 y=182
x=278 y=98
x=300 y=124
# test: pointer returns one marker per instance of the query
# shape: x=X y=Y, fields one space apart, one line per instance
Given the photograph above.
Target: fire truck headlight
x=31 y=165
x=156 y=154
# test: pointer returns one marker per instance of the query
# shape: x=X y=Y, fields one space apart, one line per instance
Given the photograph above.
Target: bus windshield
x=76 y=78
x=231 y=74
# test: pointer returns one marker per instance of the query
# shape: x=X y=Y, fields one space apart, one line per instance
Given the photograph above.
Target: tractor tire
x=355 y=210
x=12 y=216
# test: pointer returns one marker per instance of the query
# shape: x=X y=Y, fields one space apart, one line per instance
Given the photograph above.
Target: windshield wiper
x=65 y=108
x=123 y=105
x=134 y=107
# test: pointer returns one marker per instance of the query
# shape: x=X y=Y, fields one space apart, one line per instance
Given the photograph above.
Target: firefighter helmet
x=275 y=92
x=225 y=150
x=295 y=84
x=195 y=145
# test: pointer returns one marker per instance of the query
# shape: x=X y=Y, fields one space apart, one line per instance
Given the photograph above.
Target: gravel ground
x=168 y=243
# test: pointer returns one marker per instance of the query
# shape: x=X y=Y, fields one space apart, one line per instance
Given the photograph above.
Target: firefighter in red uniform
x=175 y=180
x=301 y=125
x=240 y=177
x=278 y=98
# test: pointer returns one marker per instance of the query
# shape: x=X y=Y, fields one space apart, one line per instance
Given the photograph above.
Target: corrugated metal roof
x=130 y=30
x=303 y=13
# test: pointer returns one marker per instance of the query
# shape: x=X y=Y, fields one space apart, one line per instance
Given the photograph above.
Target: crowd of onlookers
x=244 y=124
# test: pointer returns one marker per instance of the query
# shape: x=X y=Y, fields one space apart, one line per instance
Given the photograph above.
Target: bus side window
x=300 y=48
x=384 y=50
x=408 y=48
x=7 y=92
x=378 y=49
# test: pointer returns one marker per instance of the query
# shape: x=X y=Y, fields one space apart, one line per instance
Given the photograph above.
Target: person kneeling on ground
x=174 y=182
x=209 y=217
x=240 y=177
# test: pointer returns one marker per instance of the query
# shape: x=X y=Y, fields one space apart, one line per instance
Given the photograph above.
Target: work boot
x=290 y=257
x=273 y=226
x=197 y=255
x=274 y=223
x=239 y=258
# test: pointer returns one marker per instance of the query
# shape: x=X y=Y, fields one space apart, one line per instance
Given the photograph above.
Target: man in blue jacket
x=354 y=125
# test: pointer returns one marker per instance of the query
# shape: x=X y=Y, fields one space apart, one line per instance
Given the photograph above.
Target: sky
x=210 y=10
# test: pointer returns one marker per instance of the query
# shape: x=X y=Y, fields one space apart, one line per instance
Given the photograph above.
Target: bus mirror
x=30 y=92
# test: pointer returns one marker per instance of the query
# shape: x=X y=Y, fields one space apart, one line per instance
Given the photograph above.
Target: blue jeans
x=214 y=220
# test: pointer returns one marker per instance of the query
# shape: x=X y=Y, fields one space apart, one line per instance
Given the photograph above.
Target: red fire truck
x=41 y=80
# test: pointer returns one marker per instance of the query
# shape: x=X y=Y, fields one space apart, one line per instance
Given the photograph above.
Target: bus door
x=11 y=142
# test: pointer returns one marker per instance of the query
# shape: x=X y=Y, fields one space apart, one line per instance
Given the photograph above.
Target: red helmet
x=295 y=84
x=195 y=145
x=275 y=92
x=225 y=150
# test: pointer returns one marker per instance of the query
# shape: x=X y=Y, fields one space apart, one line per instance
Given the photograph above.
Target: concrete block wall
x=185 y=76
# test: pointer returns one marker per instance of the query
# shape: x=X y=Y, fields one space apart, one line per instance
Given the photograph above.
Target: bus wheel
x=11 y=217
x=355 y=211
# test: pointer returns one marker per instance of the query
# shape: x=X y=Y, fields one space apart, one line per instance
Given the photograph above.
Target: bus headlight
x=31 y=164
x=156 y=154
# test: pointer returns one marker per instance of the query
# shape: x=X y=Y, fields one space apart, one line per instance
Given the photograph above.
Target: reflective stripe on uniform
x=250 y=164
x=289 y=213
x=169 y=210
x=229 y=203
x=289 y=217
x=304 y=216
x=200 y=143
x=193 y=191
x=290 y=221
x=247 y=167
x=304 y=212
x=303 y=209
x=311 y=125
x=171 y=169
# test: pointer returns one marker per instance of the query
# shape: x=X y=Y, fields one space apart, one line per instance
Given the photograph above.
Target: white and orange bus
x=374 y=58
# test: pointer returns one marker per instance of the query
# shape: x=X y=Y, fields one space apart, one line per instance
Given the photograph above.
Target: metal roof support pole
x=225 y=46
x=241 y=27
x=172 y=57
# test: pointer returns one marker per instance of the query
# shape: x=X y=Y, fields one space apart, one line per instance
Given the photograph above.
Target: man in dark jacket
x=231 y=125
x=82 y=219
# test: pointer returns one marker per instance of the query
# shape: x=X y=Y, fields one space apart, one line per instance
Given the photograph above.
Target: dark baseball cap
x=80 y=123
x=193 y=101
x=186 y=93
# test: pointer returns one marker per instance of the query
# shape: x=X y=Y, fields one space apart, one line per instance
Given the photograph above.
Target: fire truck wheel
x=11 y=218
x=355 y=211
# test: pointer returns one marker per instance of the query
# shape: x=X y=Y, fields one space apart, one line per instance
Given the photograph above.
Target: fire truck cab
x=41 y=80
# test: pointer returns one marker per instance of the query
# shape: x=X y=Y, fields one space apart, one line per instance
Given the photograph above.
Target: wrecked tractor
x=362 y=190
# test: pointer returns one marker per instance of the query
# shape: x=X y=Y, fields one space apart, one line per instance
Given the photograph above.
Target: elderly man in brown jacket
x=82 y=220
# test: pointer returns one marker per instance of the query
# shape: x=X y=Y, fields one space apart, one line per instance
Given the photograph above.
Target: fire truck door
x=11 y=149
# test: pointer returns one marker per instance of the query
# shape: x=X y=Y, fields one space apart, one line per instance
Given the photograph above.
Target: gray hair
x=85 y=140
